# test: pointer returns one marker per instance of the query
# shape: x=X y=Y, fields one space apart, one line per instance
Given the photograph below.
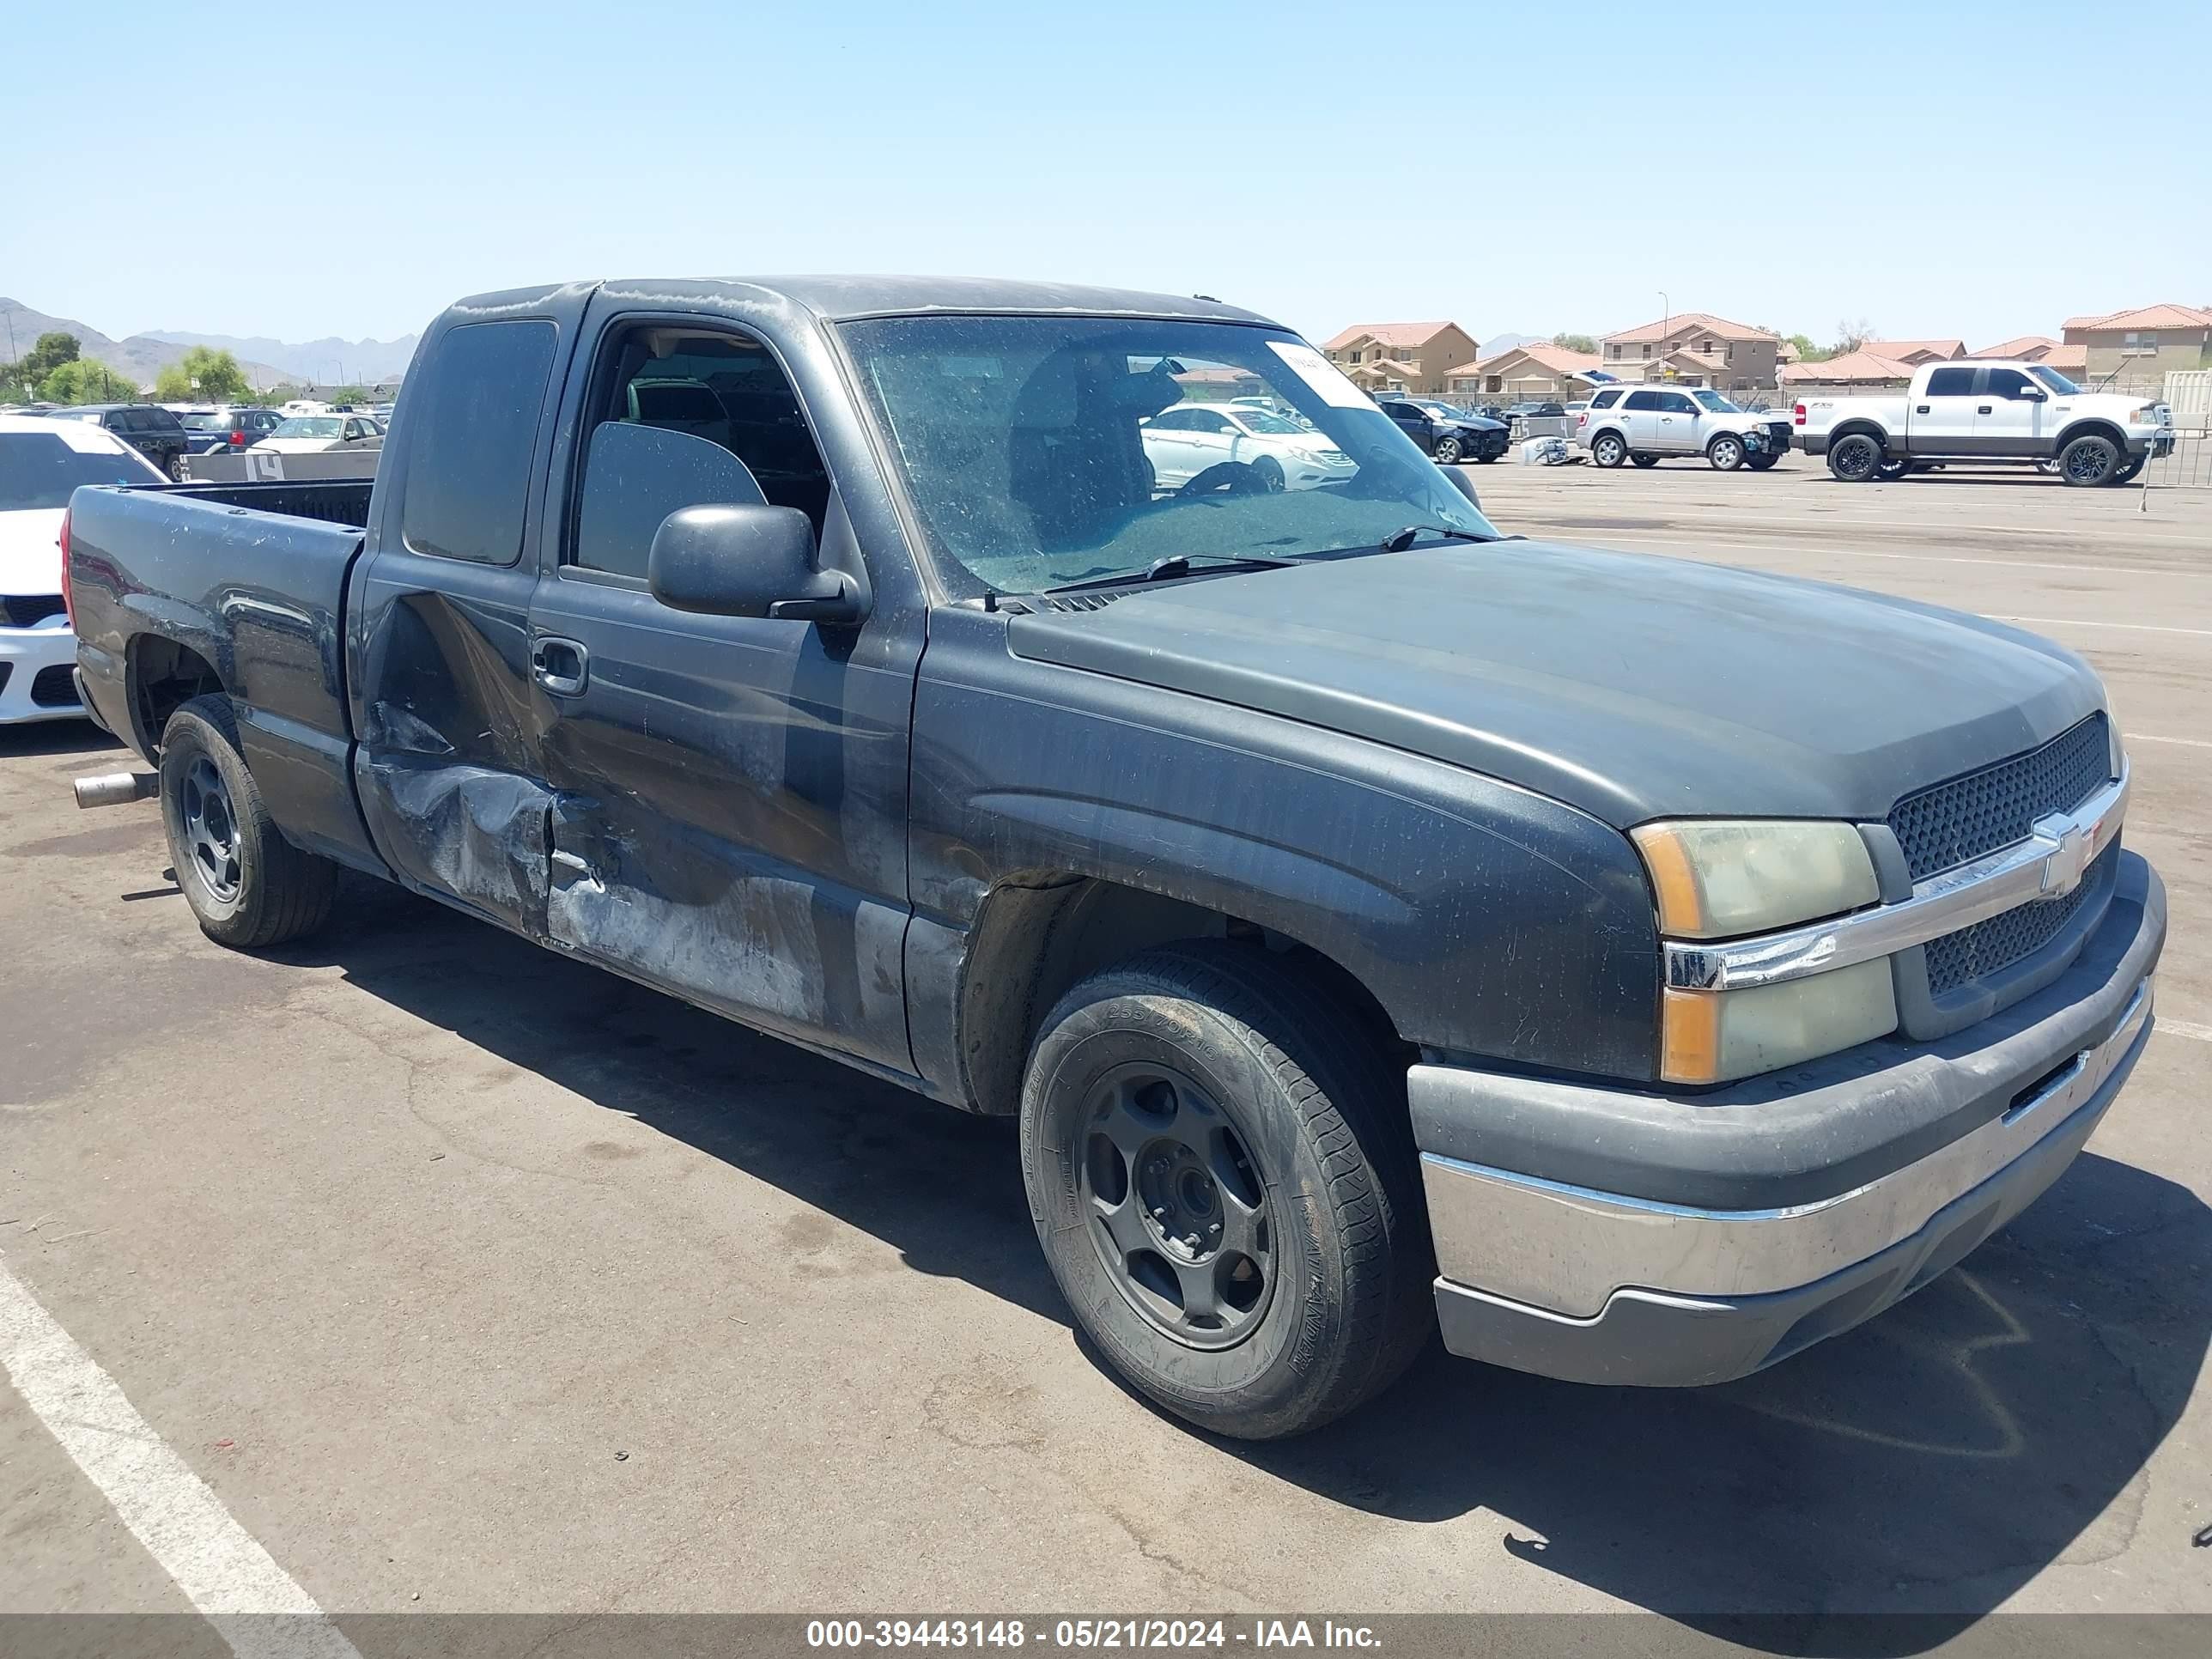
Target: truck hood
x=1631 y=686
x=30 y=556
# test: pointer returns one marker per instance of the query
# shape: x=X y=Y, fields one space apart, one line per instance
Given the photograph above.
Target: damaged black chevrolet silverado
x=1641 y=969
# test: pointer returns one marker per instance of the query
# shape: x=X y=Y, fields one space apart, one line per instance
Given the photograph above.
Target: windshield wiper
x=1167 y=570
x=1399 y=540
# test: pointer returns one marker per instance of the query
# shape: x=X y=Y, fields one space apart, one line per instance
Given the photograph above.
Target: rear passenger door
x=730 y=793
x=443 y=704
x=1943 y=415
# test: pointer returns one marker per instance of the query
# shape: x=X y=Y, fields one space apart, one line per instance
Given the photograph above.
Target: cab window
x=1951 y=383
x=2010 y=383
x=1643 y=400
x=682 y=417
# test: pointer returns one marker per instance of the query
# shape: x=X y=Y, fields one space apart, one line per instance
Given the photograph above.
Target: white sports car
x=1182 y=442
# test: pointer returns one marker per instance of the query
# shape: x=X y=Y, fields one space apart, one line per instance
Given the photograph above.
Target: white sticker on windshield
x=1322 y=375
x=86 y=439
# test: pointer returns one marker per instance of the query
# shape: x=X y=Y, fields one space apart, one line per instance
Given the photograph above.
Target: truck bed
x=250 y=580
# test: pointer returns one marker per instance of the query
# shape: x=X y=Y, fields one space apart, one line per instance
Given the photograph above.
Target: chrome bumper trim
x=1568 y=1249
x=2047 y=865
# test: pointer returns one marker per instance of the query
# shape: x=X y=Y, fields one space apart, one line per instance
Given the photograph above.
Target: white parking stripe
x=2186 y=743
x=2186 y=1029
x=2077 y=621
x=253 y=1602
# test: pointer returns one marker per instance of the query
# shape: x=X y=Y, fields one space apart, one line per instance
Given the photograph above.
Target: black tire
x=1890 y=471
x=2128 y=470
x=1644 y=460
x=1270 y=471
x=1609 y=449
x=1298 y=1117
x=1447 y=452
x=1726 y=452
x=2088 y=461
x=1761 y=463
x=248 y=886
x=1855 y=458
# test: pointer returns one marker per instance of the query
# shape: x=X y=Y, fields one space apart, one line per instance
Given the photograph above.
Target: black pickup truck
x=1640 y=968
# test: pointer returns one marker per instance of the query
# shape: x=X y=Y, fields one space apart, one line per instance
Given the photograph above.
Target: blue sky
x=1971 y=169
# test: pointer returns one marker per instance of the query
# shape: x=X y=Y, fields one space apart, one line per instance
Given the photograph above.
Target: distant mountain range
x=266 y=361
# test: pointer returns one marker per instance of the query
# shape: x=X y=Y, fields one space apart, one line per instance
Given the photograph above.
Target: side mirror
x=2029 y=395
x=1462 y=483
x=748 y=561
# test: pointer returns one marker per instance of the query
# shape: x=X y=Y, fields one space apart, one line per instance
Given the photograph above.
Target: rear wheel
x=1760 y=462
x=1220 y=1169
x=2088 y=461
x=1725 y=452
x=1855 y=459
x=1606 y=449
x=248 y=886
x=1644 y=460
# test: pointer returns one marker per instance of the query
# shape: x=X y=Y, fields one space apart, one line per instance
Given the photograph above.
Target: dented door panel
x=730 y=814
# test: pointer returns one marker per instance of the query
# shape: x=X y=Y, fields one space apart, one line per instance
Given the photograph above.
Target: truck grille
x=1951 y=823
x=29 y=609
x=1991 y=946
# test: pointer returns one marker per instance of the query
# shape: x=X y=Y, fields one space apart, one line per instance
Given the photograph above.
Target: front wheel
x=2128 y=470
x=1644 y=460
x=1446 y=451
x=1221 y=1171
x=1725 y=452
x=1606 y=449
x=1760 y=462
x=1270 y=471
x=248 y=886
x=2088 y=461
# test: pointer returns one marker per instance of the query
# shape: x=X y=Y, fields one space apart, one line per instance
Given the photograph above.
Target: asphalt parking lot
x=471 y=1279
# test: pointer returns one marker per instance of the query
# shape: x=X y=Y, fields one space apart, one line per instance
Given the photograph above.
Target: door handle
x=561 y=666
x=1921 y=410
x=1983 y=409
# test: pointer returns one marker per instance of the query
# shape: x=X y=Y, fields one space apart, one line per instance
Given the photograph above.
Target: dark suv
x=210 y=431
x=1447 y=432
x=153 y=432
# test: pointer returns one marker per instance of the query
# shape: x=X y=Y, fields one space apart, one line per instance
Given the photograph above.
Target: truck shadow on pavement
x=1927 y=1464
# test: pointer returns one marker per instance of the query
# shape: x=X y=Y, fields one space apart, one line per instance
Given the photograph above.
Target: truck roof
x=843 y=298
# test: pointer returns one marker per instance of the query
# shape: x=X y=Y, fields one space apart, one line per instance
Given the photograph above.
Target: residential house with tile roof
x=1523 y=372
x=1402 y=356
x=2137 y=348
x=1694 y=348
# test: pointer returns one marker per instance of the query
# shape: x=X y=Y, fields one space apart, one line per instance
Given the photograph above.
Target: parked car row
x=166 y=434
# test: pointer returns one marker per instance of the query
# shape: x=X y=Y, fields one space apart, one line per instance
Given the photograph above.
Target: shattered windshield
x=1042 y=451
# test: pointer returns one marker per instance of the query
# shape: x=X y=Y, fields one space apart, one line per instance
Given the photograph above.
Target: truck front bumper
x=1789 y=1207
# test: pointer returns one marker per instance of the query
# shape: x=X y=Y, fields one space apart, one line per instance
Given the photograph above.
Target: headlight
x=1720 y=878
x=1717 y=877
x=1714 y=1036
x=2147 y=415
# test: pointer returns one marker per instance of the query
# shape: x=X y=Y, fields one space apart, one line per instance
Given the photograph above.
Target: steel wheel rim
x=211 y=829
x=1172 y=1198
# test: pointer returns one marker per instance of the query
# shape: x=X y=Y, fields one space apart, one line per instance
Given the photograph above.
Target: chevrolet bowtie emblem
x=2062 y=868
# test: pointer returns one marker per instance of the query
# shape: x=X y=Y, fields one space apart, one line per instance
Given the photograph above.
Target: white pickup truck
x=2002 y=412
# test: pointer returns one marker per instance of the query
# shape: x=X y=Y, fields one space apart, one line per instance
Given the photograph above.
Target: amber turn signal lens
x=1690 y=1039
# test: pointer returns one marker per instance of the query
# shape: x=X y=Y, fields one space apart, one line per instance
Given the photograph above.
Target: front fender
x=1483 y=918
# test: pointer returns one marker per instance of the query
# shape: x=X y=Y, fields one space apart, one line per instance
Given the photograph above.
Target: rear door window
x=1643 y=400
x=1951 y=383
x=467 y=477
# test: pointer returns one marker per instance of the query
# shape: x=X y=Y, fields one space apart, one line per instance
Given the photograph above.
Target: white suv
x=1647 y=423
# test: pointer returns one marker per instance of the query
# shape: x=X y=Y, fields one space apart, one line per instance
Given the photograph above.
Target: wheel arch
x=2092 y=426
x=1859 y=429
x=1039 y=933
x=162 y=675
